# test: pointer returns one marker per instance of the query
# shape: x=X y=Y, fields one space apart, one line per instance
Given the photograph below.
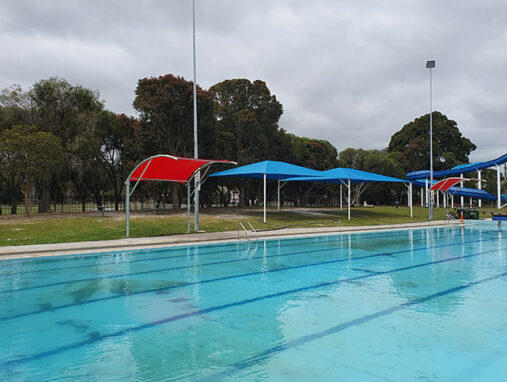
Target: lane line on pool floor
x=88 y=279
x=230 y=277
x=250 y=361
x=149 y=325
x=101 y=299
x=311 y=241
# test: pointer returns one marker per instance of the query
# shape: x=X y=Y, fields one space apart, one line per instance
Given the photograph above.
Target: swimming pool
x=428 y=304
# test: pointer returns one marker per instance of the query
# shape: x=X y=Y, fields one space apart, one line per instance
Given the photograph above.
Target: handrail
x=244 y=229
x=253 y=230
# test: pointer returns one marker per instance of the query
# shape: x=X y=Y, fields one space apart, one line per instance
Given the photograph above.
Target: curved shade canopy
x=170 y=168
x=446 y=184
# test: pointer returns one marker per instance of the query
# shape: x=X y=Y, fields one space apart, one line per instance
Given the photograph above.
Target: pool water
x=428 y=304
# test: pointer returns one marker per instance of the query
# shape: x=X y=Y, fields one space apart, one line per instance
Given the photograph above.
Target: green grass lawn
x=88 y=227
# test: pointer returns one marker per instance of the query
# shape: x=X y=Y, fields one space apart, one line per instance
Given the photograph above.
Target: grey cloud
x=350 y=72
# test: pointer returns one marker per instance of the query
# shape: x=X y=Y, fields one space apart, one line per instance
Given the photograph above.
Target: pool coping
x=76 y=248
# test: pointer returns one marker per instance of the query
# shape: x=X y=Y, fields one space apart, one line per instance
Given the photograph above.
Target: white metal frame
x=188 y=183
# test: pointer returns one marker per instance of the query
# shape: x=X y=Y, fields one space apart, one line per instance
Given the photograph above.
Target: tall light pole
x=196 y=148
x=430 y=65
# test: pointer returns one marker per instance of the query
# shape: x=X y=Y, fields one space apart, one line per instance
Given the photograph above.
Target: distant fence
x=138 y=204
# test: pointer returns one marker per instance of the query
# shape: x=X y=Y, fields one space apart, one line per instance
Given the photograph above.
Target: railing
x=248 y=233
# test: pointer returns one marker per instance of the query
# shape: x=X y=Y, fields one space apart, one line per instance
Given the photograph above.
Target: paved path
x=40 y=250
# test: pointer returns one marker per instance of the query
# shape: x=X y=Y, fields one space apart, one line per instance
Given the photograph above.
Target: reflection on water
x=347 y=306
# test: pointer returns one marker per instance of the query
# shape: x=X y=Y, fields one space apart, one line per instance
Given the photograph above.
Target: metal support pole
x=127 y=207
x=479 y=186
x=438 y=198
x=196 y=146
x=349 y=198
x=498 y=189
x=462 y=198
x=410 y=198
x=422 y=197
x=278 y=194
x=264 y=198
x=426 y=191
x=341 y=197
x=452 y=201
x=430 y=210
x=188 y=207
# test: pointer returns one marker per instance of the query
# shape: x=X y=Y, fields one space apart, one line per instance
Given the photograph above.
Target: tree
x=16 y=108
x=117 y=149
x=165 y=105
x=412 y=143
x=29 y=155
x=247 y=116
x=375 y=161
x=71 y=113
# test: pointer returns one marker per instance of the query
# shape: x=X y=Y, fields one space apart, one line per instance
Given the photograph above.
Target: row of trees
x=57 y=140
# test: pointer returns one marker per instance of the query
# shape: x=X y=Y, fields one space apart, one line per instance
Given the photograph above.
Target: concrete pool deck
x=58 y=249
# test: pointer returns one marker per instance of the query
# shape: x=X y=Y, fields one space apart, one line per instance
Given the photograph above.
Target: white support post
x=479 y=186
x=462 y=198
x=264 y=198
x=471 y=203
x=422 y=196
x=452 y=201
x=127 y=207
x=278 y=194
x=426 y=192
x=188 y=207
x=349 y=199
x=410 y=198
x=341 y=197
x=438 y=198
x=498 y=189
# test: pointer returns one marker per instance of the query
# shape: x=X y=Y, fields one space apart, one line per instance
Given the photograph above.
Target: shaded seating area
x=348 y=176
x=169 y=168
x=273 y=170
x=286 y=172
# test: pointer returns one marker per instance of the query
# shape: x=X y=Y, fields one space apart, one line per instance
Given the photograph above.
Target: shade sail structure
x=463 y=169
x=168 y=168
x=271 y=169
x=268 y=169
x=346 y=176
x=446 y=184
x=342 y=174
x=466 y=192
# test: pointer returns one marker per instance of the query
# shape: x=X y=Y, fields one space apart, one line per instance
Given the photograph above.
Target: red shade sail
x=170 y=168
x=445 y=184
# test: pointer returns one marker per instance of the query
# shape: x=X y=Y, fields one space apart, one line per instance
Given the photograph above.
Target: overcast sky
x=352 y=72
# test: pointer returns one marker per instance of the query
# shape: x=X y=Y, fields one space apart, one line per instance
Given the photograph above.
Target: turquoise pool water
x=427 y=305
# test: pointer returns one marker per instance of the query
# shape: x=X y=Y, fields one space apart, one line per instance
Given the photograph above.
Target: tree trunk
x=14 y=207
x=45 y=197
x=26 y=193
x=83 y=202
x=98 y=198
x=242 y=196
x=117 y=196
x=176 y=197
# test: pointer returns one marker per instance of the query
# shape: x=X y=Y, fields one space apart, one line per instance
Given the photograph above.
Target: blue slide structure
x=421 y=178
